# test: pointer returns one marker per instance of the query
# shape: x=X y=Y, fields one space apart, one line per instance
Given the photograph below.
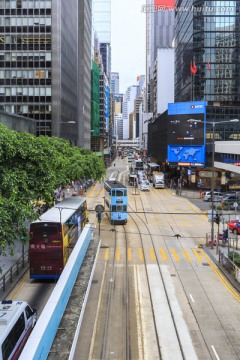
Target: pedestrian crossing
x=164 y=255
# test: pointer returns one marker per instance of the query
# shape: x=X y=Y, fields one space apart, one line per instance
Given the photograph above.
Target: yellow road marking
x=118 y=254
x=129 y=254
x=186 y=255
x=197 y=211
x=197 y=255
x=175 y=255
x=221 y=276
x=152 y=254
x=140 y=253
x=13 y=293
x=106 y=255
x=163 y=254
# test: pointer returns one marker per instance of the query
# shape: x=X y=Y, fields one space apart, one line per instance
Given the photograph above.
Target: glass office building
x=39 y=67
x=207 y=37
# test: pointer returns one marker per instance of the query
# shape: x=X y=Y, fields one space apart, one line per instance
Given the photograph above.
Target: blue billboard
x=186 y=133
x=107 y=106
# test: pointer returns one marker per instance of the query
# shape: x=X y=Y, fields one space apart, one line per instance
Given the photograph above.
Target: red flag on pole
x=193 y=68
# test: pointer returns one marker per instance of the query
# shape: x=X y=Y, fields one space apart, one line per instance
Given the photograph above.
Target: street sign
x=99 y=208
x=235 y=205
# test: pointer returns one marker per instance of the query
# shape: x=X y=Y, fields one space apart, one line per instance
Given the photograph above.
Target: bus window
x=125 y=208
x=45 y=233
x=119 y=193
x=114 y=208
x=113 y=193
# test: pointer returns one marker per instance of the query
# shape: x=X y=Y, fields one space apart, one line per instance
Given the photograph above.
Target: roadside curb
x=233 y=282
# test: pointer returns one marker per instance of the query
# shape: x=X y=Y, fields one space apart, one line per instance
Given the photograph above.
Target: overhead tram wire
x=164 y=213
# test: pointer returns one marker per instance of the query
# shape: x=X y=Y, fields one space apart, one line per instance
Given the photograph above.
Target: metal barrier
x=14 y=271
x=231 y=268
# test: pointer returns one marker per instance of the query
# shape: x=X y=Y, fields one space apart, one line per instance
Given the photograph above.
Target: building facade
x=211 y=44
x=41 y=76
x=115 y=82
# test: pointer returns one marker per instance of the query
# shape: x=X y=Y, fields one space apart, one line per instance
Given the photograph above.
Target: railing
x=231 y=268
x=15 y=270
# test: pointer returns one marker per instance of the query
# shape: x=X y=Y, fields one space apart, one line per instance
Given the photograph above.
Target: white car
x=217 y=196
x=145 y=185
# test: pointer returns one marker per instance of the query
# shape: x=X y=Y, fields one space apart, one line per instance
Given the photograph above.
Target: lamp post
x=213 y=159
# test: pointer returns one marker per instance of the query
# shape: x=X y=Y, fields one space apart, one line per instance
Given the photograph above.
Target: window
x=29 y=312
x=13 y=337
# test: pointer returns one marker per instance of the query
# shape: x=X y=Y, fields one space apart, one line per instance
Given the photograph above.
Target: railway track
x=186 y=350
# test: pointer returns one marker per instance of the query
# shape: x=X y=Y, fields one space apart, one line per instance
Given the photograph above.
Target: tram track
x=176 y=229
x=159 y=345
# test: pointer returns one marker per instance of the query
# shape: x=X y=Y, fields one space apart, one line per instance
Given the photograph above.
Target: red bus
x=53 y=236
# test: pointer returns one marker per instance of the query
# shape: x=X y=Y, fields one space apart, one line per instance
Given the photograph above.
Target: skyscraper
x=102 y=20
x=41 y=76
x=211 y=45
x=160 y=26
x=115 y=82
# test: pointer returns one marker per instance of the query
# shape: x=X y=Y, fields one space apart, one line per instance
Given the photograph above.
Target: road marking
x=164 y=256
x=140 y=253
x=221 y=276
x=129 y=254
x=106 y=254
x=118 y=254
x=175 y=255
x=191 y=297
x=152 y=254
x=187 y=256
x=197 y=255
x=19 y=285
x=215 y=353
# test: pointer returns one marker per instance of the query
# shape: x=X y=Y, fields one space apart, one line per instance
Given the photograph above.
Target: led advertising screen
x=186 y=129
x=186 y=133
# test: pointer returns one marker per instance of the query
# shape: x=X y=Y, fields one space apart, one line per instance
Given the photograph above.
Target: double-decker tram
x=17 y=320
x=53 y=236
x=116 y=199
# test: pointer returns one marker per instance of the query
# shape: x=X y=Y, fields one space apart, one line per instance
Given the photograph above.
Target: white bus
x=17 y=320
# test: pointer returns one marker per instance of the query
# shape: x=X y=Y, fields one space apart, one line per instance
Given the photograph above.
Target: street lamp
x=212 y=178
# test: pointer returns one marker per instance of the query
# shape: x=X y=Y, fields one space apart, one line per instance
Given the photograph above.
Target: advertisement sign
x=186 y=133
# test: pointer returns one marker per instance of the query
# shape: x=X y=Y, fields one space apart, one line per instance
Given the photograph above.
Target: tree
x=31 y=168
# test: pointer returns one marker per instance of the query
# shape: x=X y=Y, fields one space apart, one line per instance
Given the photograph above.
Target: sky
x=128 y=41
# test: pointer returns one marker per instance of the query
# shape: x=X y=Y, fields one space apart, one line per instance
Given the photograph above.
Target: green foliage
x=235 y=257
x=32 y=168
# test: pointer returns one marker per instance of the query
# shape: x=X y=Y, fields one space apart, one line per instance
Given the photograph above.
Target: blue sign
x=107 y=106
x=191 y=107
x=187 y=155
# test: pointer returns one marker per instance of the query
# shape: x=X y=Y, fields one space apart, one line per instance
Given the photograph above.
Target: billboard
x=186 y=133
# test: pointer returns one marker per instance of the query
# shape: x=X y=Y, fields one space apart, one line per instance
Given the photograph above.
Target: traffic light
x=217 y=219
x=99 y=217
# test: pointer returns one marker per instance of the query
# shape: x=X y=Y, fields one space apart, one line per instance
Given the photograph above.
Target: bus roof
x=114 y=184
x=62 y=211
x=8 y=310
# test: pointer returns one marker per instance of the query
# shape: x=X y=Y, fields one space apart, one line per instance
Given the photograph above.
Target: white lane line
x=191 y=298
x=215 y=353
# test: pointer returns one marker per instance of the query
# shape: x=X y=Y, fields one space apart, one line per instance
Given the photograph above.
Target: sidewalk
x=212 y=253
